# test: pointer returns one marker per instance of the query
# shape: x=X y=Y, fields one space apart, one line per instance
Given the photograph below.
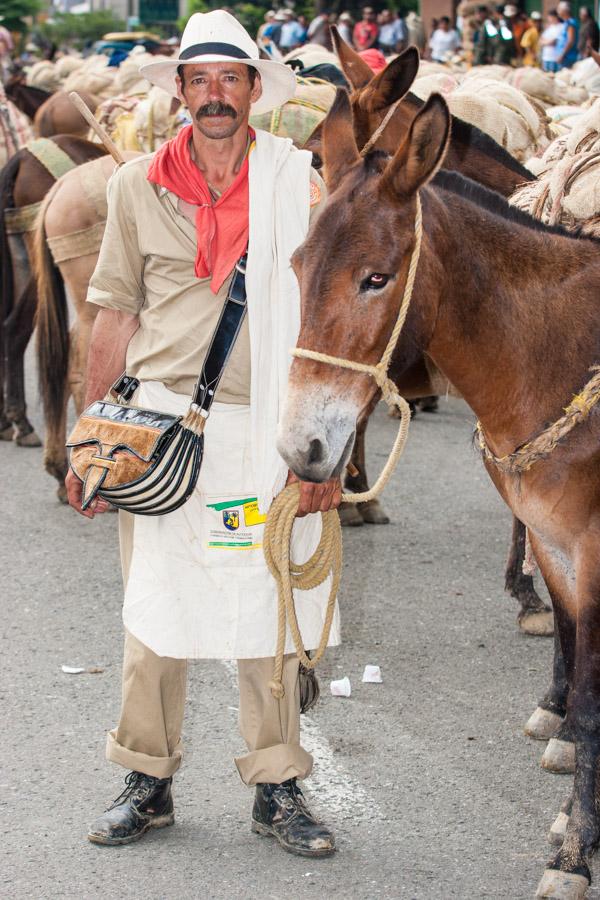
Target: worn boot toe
x=280 y=811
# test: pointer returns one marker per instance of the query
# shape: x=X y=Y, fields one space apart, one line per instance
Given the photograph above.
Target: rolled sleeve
x=117 y=282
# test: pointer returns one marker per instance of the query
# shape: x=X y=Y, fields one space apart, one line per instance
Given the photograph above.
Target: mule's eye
x=374 y=282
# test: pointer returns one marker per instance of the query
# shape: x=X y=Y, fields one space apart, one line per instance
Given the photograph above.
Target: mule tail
x=52 y=320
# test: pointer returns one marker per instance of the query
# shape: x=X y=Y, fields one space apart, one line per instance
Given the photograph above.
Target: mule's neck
x=517 y=325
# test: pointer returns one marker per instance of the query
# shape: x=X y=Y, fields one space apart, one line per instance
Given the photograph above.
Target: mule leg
x=18 y=328
x=534 y=616
x=371 y=512
x=547 y=718
x=568 y=874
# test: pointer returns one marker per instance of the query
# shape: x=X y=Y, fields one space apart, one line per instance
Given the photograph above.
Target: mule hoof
x=350 y=516
x=559 y=757
x=28 y=440
x=7 y=433
x=372 y=513
x=537 y=622
x=557 y=885
x=542 y=724
x=557 y=832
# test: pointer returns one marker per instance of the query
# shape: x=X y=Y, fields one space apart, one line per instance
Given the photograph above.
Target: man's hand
x=74 y=491
x=317 y=497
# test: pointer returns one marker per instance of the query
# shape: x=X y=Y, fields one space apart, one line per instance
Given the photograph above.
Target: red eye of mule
x=374 y=282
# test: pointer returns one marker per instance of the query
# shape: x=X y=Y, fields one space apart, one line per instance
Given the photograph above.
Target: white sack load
x=582 y=137
x=95 y=77
x=67 y=64
x=43 y=75
x=543 y=86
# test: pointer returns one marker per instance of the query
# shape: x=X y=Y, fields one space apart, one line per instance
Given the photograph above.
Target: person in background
x=273 y=30
x=345 y=24
x=548 y=41
x=375 y=59
x=518 y=24
x=530 y=42
x=566 y=45
x=481 y=22
x=444 y=41
x=393 y=33
x=318 y=31
x=269 y=19
x=292 y=33
x=589 y=34
x=366 y=31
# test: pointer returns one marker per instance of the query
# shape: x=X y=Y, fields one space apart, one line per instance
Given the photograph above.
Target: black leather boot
x=145 y=803
x=280 y=811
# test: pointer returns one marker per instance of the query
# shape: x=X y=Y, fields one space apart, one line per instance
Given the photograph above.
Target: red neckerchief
x=221 y=225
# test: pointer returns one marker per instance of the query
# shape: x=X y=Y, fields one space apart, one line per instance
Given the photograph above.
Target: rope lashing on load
x=542 y=445
x=327 y=558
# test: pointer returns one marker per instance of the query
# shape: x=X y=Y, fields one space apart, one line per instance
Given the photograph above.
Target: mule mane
x=471 y=136
x=498 y=205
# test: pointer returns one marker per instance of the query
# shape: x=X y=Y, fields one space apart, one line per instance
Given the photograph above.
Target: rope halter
x=379 y=372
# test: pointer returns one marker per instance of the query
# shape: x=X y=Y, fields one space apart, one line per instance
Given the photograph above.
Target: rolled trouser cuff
x=274 y=764
x=155 y=766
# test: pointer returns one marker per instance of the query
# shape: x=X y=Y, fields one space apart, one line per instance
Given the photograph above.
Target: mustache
x=216 y=109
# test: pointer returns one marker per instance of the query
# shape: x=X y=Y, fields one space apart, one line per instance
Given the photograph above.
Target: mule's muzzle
x=315 y=460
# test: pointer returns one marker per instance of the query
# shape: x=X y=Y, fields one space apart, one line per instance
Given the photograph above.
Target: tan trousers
x=148 y=736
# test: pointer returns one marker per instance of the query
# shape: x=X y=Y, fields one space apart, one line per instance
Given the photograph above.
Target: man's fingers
x=327 y=496
x=307 y=489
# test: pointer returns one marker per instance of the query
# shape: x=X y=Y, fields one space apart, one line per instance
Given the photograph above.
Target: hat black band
x=216 y=48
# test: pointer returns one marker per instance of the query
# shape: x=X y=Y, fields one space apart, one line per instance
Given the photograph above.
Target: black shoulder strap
x=223 y=339
x=219 y=351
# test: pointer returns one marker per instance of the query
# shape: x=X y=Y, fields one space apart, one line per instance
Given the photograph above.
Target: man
x=366 y=32
x=444 y=41
x=589 y=34
x=393 y=33
x=566 y=45
x=319 y=31
x=292 y=33
x=530 y=42
x=196 y=584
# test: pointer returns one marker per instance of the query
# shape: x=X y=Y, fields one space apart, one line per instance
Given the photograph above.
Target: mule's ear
x=393 y=83
x=357 y=72
x=422 y=152
x=339 y=148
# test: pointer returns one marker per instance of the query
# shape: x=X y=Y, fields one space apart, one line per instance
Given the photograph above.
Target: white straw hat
x=218 y=37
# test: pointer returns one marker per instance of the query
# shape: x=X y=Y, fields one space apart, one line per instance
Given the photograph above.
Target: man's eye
x=374 y=282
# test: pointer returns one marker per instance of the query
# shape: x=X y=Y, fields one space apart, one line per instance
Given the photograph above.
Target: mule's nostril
x=315 y=452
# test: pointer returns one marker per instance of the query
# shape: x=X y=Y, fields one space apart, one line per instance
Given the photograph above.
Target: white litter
x=341 y=688
x=72 y=670
x=372 y=675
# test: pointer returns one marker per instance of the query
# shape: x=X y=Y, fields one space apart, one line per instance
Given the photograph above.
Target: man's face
x=368 y=14
x=218 y=96
x=583 y=14
x=564 y=10
x=385 y=17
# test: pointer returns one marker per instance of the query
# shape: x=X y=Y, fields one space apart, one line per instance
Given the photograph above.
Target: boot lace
x=137 y=787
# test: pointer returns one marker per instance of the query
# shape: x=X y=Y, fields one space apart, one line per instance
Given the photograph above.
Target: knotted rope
x=545 y=442
x=327 y=558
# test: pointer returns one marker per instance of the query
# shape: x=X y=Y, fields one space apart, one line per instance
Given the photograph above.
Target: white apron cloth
x=197 y=583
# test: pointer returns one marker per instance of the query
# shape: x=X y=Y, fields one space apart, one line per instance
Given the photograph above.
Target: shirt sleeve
x=117 y=282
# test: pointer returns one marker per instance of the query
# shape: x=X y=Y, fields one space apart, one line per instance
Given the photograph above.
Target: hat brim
x=278 y=81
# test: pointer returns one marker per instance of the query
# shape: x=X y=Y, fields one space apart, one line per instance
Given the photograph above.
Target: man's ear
x=256 y=87
x=339 y=148
x=422 y=152
x=357 y=72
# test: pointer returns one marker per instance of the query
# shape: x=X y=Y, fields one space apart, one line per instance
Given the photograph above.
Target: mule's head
x=352 y=271
x=372 y=95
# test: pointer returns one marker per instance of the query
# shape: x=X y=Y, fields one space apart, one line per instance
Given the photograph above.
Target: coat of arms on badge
x=231 y=519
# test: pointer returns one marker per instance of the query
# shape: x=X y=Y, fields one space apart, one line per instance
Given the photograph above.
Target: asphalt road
x=431 y=786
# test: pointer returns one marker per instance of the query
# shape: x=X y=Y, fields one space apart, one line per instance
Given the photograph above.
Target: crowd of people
x=481 y=34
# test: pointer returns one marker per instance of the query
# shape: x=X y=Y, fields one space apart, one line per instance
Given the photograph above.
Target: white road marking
x=330 y=783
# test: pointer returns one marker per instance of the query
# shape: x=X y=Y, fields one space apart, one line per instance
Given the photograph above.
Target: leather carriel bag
x=144 y=461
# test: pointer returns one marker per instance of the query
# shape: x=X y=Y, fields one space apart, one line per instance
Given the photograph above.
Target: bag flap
x=112 y=427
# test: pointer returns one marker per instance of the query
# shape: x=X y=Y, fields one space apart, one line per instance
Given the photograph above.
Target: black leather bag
x=144 y=461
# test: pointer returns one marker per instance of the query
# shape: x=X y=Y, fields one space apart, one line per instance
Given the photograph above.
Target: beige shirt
x=146 y=268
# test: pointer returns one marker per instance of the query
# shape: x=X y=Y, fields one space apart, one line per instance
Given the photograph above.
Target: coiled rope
x=327 y=558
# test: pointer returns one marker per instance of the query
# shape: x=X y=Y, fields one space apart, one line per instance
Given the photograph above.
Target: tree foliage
x=80 y=29
x=13 y=13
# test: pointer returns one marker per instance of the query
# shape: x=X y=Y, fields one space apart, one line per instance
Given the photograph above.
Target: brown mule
x=24 y=181
x=518 y=346
x=476 y=155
